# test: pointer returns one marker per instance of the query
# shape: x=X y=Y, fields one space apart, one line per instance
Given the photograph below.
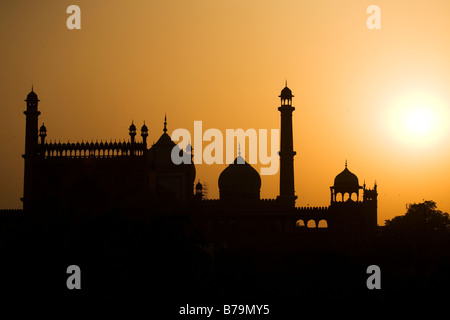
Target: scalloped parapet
x=91 y=149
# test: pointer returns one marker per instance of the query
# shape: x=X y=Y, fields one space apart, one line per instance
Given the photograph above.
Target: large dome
x=160 y=159
x=346 y=181
x=239 y=181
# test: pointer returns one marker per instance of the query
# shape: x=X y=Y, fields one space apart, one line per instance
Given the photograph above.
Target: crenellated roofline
x=91 y=149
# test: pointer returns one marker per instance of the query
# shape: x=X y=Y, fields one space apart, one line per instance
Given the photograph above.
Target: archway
x=311 y=224
x=322 y=224
x=300 y=224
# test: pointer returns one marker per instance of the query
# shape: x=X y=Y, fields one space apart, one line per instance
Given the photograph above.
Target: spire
x=345 y=163
x=239 y=149
x=165 y=123
x=32 y=88
x=285 y=83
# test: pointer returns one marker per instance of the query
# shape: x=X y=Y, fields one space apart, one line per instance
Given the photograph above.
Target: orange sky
x=224 y=62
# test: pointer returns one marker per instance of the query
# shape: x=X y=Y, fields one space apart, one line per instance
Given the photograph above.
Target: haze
x=225 y=63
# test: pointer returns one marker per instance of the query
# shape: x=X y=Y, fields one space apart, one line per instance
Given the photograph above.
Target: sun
x=418 y=119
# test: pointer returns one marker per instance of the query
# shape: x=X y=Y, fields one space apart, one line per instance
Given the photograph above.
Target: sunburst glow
x=418 y=119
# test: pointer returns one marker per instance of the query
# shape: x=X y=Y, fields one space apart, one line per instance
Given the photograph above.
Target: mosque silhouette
x=80 y=180
x=142 y=232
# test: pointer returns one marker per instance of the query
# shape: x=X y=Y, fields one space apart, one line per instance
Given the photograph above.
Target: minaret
x=132 y=132
x=287 y=194
x=42 y=133
x=31 y=142
x=144 y=135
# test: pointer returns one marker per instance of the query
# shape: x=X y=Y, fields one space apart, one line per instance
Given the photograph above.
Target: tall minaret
x=31 y=142
x=287 y=194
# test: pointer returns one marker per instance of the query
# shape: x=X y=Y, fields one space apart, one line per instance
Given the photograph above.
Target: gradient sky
x=225 y=62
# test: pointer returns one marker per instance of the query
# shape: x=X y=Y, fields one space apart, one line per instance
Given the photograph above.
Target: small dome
x=239 y=181
x=144 y=128
x=286 y=93
x=132 y=127
x=43 y=128
x=198 y=186
x=346 y=181
x=32 y=96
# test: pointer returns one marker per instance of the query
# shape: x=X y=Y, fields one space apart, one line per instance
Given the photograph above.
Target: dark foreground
x=164 y=265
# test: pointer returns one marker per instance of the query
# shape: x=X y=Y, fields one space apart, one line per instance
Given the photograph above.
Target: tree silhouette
x=415 y=255
x=422 y=219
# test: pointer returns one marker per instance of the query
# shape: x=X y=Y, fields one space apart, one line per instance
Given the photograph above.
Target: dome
x=239 y=181
x=165 y=141
x=198 y=186
x=160 y=157
x=144 y=128
x=286 y=93
x=346 y=181
x=43 y=128
x=132 y=127
x=32 y=96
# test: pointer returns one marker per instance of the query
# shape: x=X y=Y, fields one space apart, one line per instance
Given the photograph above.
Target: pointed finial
x=285 y=83
x=32 y=88
x=239 y=149
x=345 y=163
x=165 y=123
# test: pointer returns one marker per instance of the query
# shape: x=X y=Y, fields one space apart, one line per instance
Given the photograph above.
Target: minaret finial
x=285 y=83
x=239 y=149
x=32 y=88
x=345 y=163
x=165 y=123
